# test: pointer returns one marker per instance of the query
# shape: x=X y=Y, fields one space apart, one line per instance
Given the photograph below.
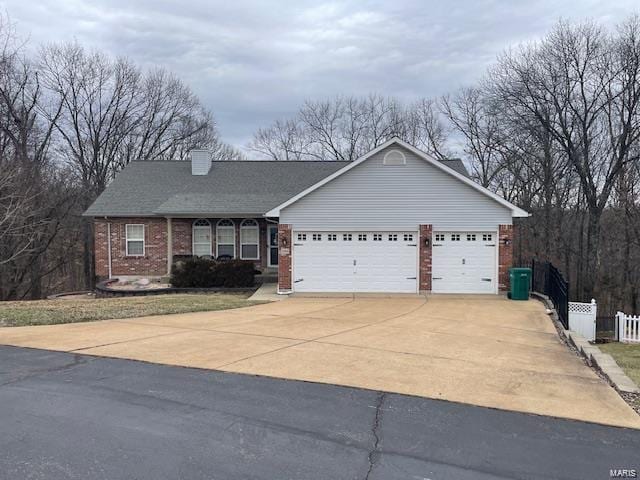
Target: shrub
x=236 y=273
x=197 y=272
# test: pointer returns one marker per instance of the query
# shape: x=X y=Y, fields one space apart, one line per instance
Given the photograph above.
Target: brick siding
x=284 y=257
x=154 y=261
x=425 y=257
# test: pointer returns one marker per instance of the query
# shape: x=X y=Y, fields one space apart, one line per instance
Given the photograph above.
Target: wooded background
x=553 y=126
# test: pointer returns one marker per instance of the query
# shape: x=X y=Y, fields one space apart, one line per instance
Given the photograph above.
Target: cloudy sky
x=254 y=61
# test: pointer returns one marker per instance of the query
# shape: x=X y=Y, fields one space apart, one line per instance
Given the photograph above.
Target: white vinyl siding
x=374 y=196
x=249 y=240
x=134 y=234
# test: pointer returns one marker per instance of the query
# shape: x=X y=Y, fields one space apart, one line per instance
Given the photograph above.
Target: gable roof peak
x=515 y=211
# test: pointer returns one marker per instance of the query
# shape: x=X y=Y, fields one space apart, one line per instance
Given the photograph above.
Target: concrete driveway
x=481 y=350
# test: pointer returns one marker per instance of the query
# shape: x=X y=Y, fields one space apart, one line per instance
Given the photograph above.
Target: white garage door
x=464 y=262
x=355 y=262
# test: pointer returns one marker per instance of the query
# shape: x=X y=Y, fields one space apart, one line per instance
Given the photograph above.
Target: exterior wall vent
x=200 y=162
x=394 y=157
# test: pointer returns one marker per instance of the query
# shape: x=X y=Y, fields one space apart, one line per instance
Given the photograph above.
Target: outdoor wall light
x=507 y=241
x=427 y=241
x=284 y=241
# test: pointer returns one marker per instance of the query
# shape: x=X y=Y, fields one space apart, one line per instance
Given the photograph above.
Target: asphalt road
x=68 y=416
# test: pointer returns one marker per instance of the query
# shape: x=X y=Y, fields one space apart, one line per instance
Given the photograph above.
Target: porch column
x=169 y=245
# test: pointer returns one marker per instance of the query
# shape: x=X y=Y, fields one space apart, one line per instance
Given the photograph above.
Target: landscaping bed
x=49 y=312
x=110 y=289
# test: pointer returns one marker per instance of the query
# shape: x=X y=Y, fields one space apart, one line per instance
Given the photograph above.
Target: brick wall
x=425 y=257
x=505 y=255
x=181 y=235
x=284 y=257
x=152 y=263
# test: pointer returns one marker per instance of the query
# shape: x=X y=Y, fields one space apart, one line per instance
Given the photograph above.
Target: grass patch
x=627 y=356
x=50 y=312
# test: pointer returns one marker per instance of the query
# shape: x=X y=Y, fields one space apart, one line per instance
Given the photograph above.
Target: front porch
x=148 y=246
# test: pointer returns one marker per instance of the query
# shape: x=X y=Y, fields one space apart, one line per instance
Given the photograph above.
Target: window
x=487 y=237
x=226 y=238
x=362 y=237
x=249 y=240
x=316 y=237
x=408 y=237
x=377 y=237
x=393 y=237
x=394 y=157
x=201 y=238
x=471 y=237
x=332 y=237
x=302 y=236
x=439 y=237
x=346 y=237
x=455 y=237
x=134 y=234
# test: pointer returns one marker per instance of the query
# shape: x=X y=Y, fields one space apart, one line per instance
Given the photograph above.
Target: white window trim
x=255 y=227
x=193 y=237
x=386 y=159
x=218 y=227
x=127 y=240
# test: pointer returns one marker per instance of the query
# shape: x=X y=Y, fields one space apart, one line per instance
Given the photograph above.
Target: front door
x=273 y=245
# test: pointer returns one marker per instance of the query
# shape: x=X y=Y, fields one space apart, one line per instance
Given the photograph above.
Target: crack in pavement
x=374 y=453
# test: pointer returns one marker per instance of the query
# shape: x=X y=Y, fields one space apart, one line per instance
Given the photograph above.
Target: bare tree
x=113 y=113
x=473 y=117
x=33 y=207
x=345 y=128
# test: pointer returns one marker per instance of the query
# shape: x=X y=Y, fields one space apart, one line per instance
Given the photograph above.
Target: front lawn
x=48 y=312
x=627 y=356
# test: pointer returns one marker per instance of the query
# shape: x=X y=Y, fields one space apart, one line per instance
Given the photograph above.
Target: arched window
x=394 y=157
x=249 y=240
x=201 y=237
x=226 y=238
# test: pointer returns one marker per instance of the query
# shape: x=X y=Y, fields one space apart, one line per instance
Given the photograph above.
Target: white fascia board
x=515 y=211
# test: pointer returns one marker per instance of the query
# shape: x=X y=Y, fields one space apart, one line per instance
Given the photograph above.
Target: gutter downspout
x=109 y=248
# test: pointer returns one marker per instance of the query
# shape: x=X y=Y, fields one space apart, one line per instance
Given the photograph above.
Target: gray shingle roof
x=456 y=164
x=231 y=187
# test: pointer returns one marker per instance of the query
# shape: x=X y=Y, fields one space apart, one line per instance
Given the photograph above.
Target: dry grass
x=49 y=312
x=627 y=356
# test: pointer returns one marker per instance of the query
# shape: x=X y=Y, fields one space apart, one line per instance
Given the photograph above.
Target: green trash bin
x=520 y=281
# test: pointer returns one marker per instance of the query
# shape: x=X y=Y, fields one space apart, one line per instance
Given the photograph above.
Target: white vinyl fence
x=582 y=319
x=628 y=327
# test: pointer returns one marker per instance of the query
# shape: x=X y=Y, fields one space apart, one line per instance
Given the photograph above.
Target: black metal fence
x=548 y=280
